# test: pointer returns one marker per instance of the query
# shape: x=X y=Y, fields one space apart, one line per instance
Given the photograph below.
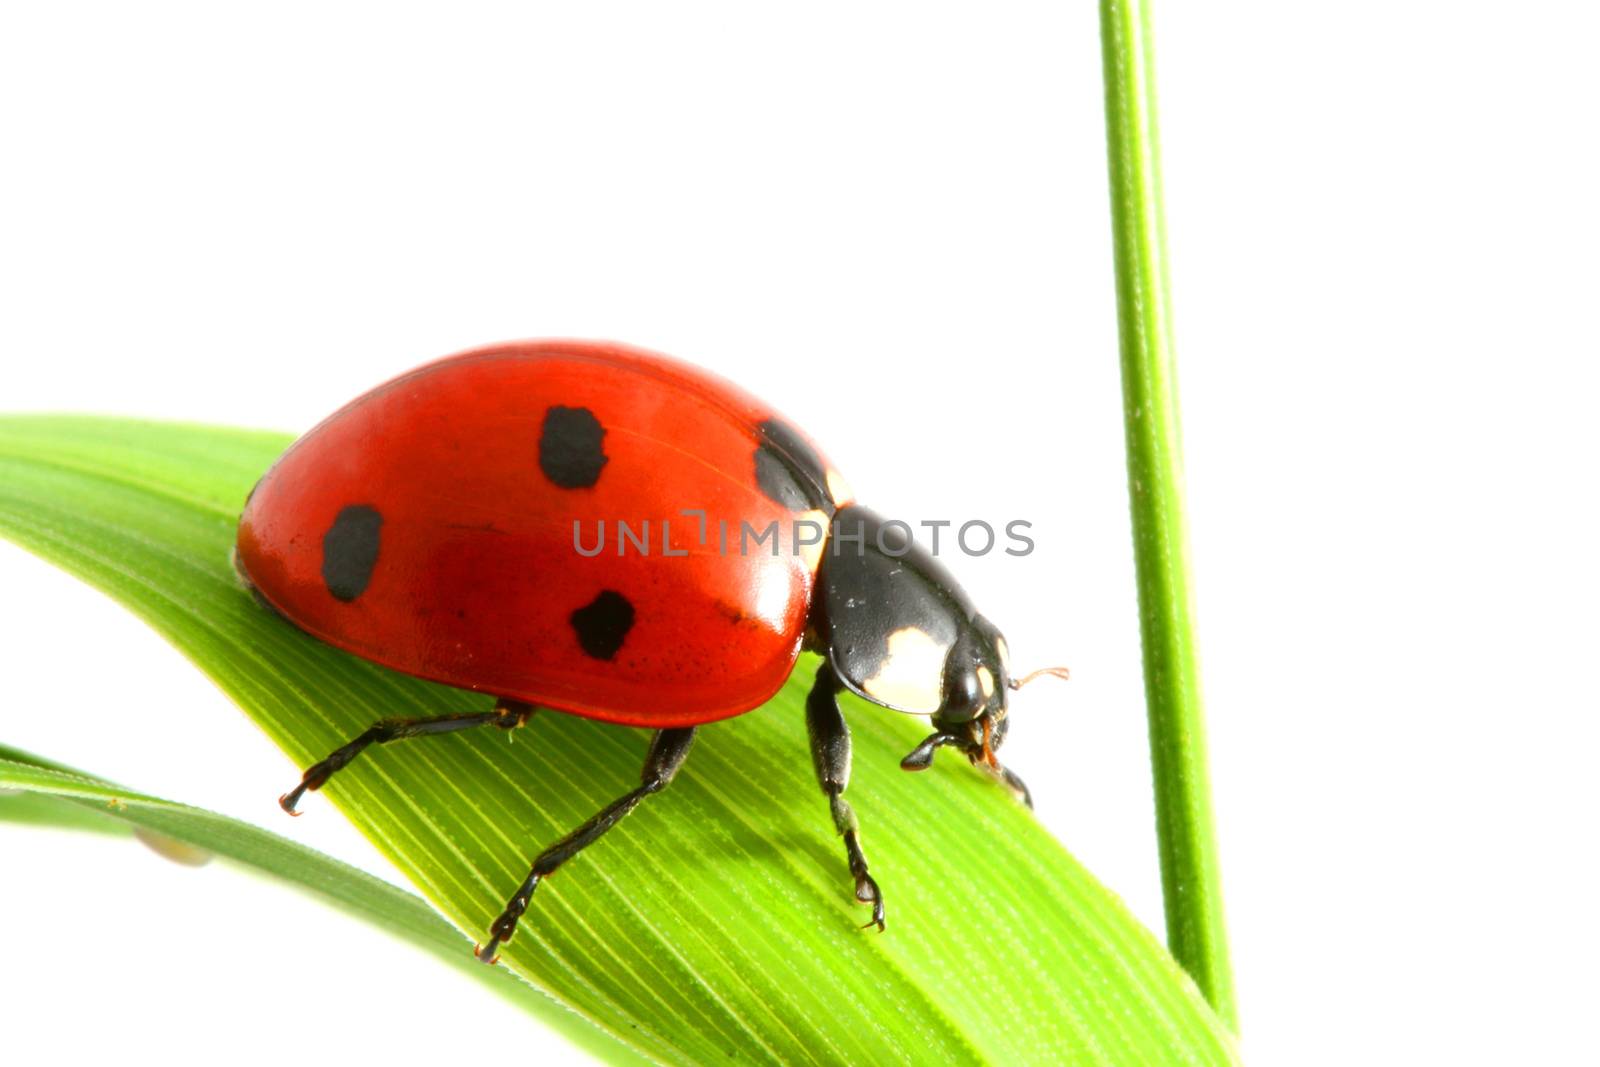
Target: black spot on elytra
x=603 y=624
x=350 y=551
x=570 y=447
x=788 y=469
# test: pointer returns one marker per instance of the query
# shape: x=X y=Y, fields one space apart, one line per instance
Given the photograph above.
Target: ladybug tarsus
x=867 y=892
x=1018 y=787
x=978 y=753
x=921 y=757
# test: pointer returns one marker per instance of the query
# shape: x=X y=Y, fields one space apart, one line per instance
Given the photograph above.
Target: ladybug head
x=973 y=716
x=899 y=631
x=976 y=680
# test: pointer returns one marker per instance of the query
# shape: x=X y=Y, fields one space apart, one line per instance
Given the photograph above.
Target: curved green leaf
x=40 y=792
x=717 y=921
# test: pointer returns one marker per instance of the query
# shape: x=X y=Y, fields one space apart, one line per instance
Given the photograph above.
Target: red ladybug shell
x=428 y=526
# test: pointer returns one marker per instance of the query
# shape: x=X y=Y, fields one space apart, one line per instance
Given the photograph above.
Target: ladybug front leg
x=921 y=758
x=506 y=714
x=668 y=750
x=830 y=752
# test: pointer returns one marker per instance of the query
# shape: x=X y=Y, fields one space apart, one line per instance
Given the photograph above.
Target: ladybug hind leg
x=507 y=714
x=668 y=750
x=830 y=752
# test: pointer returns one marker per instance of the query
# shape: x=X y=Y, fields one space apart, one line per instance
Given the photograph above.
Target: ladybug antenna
x=1054 y=672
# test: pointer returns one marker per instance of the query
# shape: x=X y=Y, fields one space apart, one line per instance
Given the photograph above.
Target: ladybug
x=442 y=525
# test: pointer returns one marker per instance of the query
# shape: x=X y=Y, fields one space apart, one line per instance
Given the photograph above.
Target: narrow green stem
x=1191 y=878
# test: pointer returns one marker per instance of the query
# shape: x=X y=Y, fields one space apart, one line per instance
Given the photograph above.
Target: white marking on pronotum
x=986 y=682
x=838 y=488
x=811 y=524
x=909 y=677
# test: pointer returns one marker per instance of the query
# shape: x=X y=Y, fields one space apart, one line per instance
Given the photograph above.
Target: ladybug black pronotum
x=436 y=526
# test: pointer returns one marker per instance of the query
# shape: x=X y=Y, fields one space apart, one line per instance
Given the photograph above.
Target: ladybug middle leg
x=668 y=750
x=830 y=752
x=507 y=714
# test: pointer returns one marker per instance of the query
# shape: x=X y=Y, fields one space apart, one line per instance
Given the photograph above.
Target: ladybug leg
x=830 y=752
x=1008 y=778
x=506 y=715
x=1018 y=787
x=668 y=750
x=921 y=757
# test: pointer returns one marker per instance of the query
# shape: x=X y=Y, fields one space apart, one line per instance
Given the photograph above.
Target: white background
x=892 y=220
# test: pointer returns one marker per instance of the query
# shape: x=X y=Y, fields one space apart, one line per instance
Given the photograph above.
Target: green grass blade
x=42 y=793
x=715 y=922
x=1190 y=872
